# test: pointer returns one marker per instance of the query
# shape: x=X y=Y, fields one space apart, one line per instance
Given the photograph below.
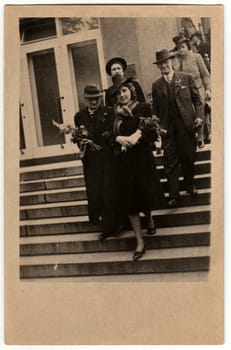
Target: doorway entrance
x=53 y=75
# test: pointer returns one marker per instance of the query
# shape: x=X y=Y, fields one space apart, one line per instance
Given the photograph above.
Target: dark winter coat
x=137 y=185
x=96 y=164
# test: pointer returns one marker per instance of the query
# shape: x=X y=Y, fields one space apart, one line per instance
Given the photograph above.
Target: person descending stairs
x=56 y=239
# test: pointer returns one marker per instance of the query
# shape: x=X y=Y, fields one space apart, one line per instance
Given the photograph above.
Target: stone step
x=77 y=181
x=112 y=256
x=143 y=266
x=164 y=231
x=201 y=182
x=84 y=218
x=164 y=218
x=73 y=194
x=78 y=170
x=54 y=196
x=75 y=156
x=116 y=244
x=79 y=210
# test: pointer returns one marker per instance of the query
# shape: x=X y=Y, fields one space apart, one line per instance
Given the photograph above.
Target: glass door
x=47 y=99
x=86 y=67
x=53 y=75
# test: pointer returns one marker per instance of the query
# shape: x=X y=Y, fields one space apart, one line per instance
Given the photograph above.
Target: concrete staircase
x=56 y=239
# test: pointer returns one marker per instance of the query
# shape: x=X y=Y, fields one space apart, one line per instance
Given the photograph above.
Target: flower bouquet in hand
x=79 y=135
x=151 y=124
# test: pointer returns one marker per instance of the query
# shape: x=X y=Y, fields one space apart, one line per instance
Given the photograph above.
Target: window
x=76 y=24
x=36 y=28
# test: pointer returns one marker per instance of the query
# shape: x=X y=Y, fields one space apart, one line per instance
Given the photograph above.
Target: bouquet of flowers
x=79 y=135
x=146 y=125
x=151 y=124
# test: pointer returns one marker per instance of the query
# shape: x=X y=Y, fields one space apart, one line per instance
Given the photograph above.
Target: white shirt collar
x=90 y=111
x=169 y=76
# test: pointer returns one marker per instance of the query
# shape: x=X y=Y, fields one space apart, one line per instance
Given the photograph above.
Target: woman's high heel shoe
x=138 y=254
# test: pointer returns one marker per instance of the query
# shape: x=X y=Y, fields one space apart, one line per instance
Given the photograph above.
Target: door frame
x=67 y=87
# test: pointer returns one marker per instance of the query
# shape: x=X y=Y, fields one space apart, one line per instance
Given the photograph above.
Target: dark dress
x=111 y=99
x=96 y=164
x=137 y=185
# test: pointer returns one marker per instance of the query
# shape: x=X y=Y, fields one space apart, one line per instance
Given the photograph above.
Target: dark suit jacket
x=97 y=164
x=187 y=97
x=99 y=126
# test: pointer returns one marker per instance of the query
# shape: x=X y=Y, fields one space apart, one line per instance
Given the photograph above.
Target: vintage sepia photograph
x=115 y=146
x=117 y=161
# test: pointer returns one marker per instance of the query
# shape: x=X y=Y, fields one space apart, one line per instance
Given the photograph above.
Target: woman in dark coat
x=137 y=186
x=114 y=67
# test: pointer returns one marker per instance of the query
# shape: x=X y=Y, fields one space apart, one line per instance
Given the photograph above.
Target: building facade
x=59 y=56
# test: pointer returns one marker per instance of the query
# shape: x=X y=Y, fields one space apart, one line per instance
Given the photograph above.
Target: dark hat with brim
x=175 y=39
x=92 y=90
x=120 y=81
x=181 y=40
x=113 y=60
x=164 y=55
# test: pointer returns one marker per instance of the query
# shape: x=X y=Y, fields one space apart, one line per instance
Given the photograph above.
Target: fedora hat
x=176 y=39
x=181 y=40
x=197 y=33
x=92 y=90
x=113 y=60
x=163 y=55
x=119 y=81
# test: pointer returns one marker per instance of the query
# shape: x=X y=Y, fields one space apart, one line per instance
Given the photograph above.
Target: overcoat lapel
x=162 y=86
x=99 y=114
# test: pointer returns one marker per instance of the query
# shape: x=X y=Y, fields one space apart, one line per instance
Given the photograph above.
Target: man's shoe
x=192 y=191
x=172 y=203
x=151 y=231
x=201 y=144
x=103 y=236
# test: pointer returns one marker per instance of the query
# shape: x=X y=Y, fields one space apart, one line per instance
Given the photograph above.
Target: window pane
x=77 y=24
x=21 y=136
x=48 y=99
x=86 y=67
x=37 y=28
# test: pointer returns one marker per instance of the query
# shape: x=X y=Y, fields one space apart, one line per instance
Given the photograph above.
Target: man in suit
x=177 y=103
x=98 y=123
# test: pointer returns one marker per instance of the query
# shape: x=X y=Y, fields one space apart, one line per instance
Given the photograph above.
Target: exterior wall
x=153 y=34
x=137 y=40
x=120 y=39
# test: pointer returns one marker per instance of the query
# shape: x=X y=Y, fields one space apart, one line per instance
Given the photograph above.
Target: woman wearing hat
x=192 y=63
x=137 y=186
x=201 y=47
x=114 y=67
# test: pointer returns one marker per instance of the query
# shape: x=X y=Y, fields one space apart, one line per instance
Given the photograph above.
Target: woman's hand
x=134 y=138
x=123 y=141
